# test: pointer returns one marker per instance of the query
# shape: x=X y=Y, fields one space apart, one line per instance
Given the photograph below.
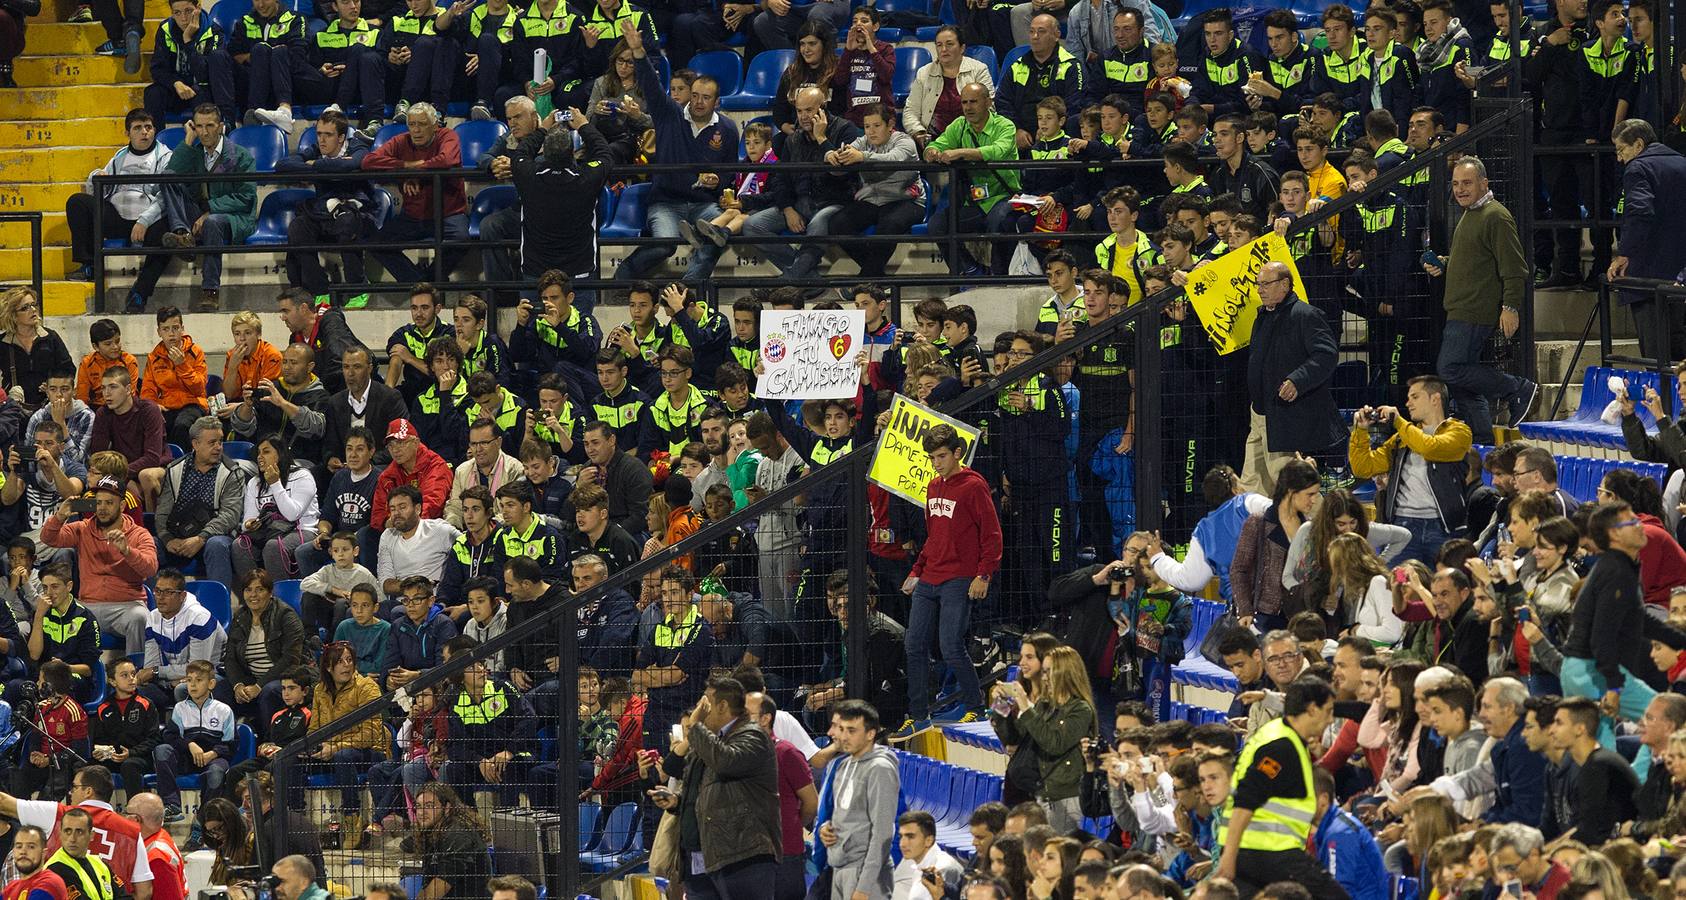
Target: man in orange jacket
x=175 y=377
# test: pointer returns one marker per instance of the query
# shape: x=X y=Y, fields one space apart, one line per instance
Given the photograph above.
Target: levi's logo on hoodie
x=940 y=506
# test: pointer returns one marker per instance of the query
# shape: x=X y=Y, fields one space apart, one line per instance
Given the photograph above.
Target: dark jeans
x=1472 y=381
x=389 y=783
x=946 y=611
x=162 y=100
x=84 y=243
x=1256 y=868
x=501 y=263
x=360 y=90
x=751 y=879
x=1426 y=538
x=1566 y=178
x=429 y=74
x=273 y=74
x=169 y=762
x=790 y=881
x=973 y=219
x=342 y=771
x=181 y=210
x=11 y=39
x=898 y=217
x=403 y=228
x=304 y=269
x=263 y=707
x=494 y=80
x=119 y=17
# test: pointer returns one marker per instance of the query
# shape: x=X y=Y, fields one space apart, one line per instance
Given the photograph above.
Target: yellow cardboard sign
x=1225 y=292
x=900 y=464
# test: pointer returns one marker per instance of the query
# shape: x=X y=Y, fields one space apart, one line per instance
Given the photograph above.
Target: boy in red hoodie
x=961 y=553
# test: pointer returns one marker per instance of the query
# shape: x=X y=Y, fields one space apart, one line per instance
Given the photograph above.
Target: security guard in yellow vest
x=266 y=50
x=491 y=36
x=86 y=876
x=358 y=85
x=1273 y=800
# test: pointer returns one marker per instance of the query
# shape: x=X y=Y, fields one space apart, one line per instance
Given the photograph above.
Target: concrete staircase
x=64 y=120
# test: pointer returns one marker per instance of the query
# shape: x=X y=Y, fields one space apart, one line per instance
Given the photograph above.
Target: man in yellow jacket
x=1423 y=460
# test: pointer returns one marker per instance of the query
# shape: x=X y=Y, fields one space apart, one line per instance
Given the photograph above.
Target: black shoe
x=136 y=303
x=132 y=52
x=1521 y=403
x=1560 y=280
x=6 y=79
x=1591 y=283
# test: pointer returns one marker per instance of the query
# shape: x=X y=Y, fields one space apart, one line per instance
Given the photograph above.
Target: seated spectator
x=250 y=360
x=594 y=533
x=222 y=827
x=342 y=212
x=347 y=504
x=31 y=350
x=617 y=105
x=980 y=134
x=933 y=100
x=531 y=590
x=290 y=723
x=267 y=49
x=115 y=555
x=59 y=739
x=806 y=201
x=395 y=783
x=609 y=625
x=1047 y=70
x=888 y=202
x=341 y=691
x=415 y=465
x=474 y=553
x=407 y=367
x=21 y=589
x=300 y=837
x=423 y=56
x=364 y=630
x=199 y=739
x=279 y=511
x=326 y=593
x=213 y=214
x=265 y=639
x=130 y=211
x=181 y=61
x=352 y=74
x=418 y=635
x=321 y=328
x=438 y=412
x=694 y=134
x=552 y=425
x=491 y=59
x=487 y=617
x=482 y=349
x=292 y=407
x=200 y=501
x=622 y=477
x=175 y=376
x=619 y=403
x=178 y=631
x=124 y=729
x=43 y=476
x=410 y=544
x=74 y=416
x=490 y=728
x=363 y=402
x=427 y=145
x=131 y=426
x=1536 y=470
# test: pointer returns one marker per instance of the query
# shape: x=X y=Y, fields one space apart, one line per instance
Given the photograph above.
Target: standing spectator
x=798 y=800
x=181 y=60
x=1424 y=463
x=1289 y=368
x=1055 y=726
x=364 y=403
x=1652 y=173
x=1048 y=70
x=213 y=214
x=1238 y=171
x=412 y=464
x=341 y=212
x=115 y=556
x=320 y=328
x=31 y=350
x=933 y=100
x=290 y=407
x=199 y=739
x=340 y=691
x=560 y=190
x=961 y=553
x=854 y=840
x=979 y=134
x=178 y=632
x=265 y=640
x=1485 y=275
x=130 y=210
x=131 y=426
x=1662 y=562
x=622 y=477
x=693 y=134
x=865 y=71
x=427 y=145
x=175 y=376
x=200 y=501
x=778 y=537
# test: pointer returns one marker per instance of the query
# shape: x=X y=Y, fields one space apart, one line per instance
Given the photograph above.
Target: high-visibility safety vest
x=93 y=877
x=1282 y=823
x=481 y=19
x=1347 y=69
x=339 y=36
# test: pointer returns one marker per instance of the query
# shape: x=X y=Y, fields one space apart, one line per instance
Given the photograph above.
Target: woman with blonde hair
x=1024 y=776
x=1055 y=726
x=1427 y=820
x=1628 y=859
x=29 y=350
x=1359 y=594
x=1597 y=870
x=251 y=360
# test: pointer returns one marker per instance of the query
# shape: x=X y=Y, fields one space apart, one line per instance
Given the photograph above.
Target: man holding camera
x=1423 y=460
x=926 y=870
x=44 y=477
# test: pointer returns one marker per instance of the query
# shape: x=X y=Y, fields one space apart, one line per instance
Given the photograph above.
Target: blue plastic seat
x=1585 y=426
x=628 y=218
x=591 y=816
x=760 y=81
x=307 y=139
x=724 y=66
x=275 y=214
x=909 y=60
x=237 y=450
x=228 y=12
x=985 y=54
x=488 y=201
x=214 y=596
x=245 y=747
x=173 y=136
x=945 y=16
x=1011 y=57
x=267 y=143
x=288 y=591
x=477 y=138
x=390 y=131
x=620 y=832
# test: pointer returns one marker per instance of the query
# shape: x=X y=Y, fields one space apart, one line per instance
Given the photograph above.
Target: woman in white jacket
x=934 y=99
x=1359 y=592
x=280 y=512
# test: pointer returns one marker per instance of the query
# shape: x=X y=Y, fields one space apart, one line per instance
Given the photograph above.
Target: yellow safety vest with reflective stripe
x=612 y=29
x=534 y=24
x=616 y=414
x=505 y=24
x=676 y=423
x=93 y=876
x=283 y=23
x=674 y=636
x=504 y=418
x=494 y=702
x=1605 y=64
x=1282 y=823
x=428 y=402
x=410 y=23
x=1054 y=309
x=337 y=36
x=1346 y=70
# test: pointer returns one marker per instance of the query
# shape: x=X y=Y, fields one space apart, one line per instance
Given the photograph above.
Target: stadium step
x=58 y=164
x=15 y=264
x=64 y=39
x=55 y=231
x=45 y=198
x=56 y=11
x=79 y=101
x=51 y=71
x=65 y=298
x=104 y=130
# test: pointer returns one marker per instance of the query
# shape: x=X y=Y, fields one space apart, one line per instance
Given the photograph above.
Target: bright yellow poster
x=900 y=464
x=1225 y=292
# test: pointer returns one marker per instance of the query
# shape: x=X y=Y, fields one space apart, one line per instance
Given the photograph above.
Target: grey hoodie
x=864 y=794
x=881 y=188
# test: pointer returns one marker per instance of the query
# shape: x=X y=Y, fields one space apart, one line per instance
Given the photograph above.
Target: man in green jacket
x=212 y=213
x=980 y=135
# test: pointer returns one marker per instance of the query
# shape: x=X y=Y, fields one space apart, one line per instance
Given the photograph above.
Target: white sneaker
x=334 y=107
x=280 y=117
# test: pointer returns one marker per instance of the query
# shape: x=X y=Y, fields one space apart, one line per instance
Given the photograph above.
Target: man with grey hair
x=296 y=879
x=200 y=498
x=1289 y=369
x=169 y=873
x=1283 y=662
x=1650 y=245
x=1517 y=853
x=1664 y=715
x=1512 y=776
x=427 y=145
x=1485 y=272
x=523 y=140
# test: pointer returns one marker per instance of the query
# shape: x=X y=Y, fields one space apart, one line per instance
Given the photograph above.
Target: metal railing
x=37 y=274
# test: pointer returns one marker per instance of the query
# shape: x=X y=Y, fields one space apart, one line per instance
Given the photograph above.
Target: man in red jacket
x=961 y=553
x=427 y=145
x=412 y=463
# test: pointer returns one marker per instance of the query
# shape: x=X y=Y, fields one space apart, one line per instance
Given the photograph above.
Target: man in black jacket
x=1605 y=784
x=627 y=481
x=1291 y=362
x=806 y=202
x=342 y=212
x=363 y=401
x=523 y=140
x=1239 y=172
x=559 y=201
x=323 y=328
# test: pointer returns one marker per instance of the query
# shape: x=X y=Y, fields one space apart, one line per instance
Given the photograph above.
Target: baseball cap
x=401 y=430
x=110 y=485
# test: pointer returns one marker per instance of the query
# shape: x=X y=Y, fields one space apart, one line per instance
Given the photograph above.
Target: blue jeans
x=1426 y=538
x=390 y=782
x=342 y=771
x=219 y=558
x=793 y=262
x=662 y=221
x=945 y=609
x=1472 y=381
x=168 y=762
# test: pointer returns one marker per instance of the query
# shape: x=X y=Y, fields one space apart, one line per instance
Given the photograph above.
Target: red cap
x=401 y=430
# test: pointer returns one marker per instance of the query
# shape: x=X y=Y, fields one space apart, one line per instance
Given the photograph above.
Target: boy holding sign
x=961 y=553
